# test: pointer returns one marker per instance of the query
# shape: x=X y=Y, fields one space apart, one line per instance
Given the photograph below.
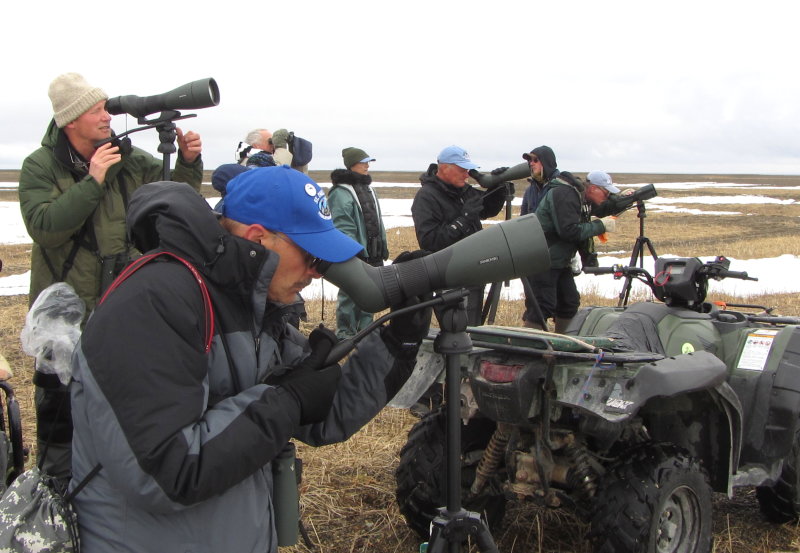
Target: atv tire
x=781 y=503
x=421 y=482
x=658 y=500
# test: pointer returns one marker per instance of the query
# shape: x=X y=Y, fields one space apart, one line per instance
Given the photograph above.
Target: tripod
x=454 y=525
x=637 y=255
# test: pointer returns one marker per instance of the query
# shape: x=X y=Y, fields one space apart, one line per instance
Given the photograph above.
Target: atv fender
x=617 y=399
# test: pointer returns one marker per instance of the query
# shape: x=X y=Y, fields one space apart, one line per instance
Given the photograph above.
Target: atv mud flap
x=426 y=371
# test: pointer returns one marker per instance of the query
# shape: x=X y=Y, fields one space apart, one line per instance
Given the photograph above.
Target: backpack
x=301 y=150
x=586 y=249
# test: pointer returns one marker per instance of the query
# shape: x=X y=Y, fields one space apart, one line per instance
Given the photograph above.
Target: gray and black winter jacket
x=185 y=438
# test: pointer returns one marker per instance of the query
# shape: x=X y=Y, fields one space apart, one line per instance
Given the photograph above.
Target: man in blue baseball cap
x=445 y=210
x=189 y=383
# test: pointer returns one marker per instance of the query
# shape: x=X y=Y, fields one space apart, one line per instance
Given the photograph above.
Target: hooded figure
x=563 y=218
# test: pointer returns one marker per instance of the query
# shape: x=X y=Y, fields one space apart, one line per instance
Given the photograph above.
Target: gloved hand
x=309 y=382
x=610 y=223
x=473 y=206
x=498 y=170
x=410 y=328
x=313 y=390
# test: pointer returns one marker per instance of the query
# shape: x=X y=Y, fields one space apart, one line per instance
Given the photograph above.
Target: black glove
x=473 y=206
x=406 y=331
x=313 y=390
x=310 y=383
x=498 y=170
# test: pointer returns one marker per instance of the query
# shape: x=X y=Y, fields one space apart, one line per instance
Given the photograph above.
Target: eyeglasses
x=533 y=159
x=312 y=262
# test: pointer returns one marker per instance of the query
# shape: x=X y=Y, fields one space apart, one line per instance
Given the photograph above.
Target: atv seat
x=636 y=328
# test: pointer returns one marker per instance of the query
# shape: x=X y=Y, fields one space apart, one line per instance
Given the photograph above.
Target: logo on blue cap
x=457 y=156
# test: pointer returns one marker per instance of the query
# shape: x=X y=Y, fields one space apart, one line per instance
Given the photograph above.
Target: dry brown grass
x=348 y=490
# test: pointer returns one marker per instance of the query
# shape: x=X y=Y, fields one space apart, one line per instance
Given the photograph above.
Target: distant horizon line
x=417 y=172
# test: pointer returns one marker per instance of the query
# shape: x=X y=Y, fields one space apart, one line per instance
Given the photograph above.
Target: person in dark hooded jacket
x=561 y=214
x=446 y=209
x=183 y=403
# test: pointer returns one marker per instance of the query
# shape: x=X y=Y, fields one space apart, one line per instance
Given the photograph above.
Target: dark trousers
x=53 y=425
x=556 y=294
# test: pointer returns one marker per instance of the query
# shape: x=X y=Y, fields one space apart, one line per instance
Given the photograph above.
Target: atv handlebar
x=724 y=273
x=677 y=281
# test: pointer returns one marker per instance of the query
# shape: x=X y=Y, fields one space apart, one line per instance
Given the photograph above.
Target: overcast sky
x=620 y=86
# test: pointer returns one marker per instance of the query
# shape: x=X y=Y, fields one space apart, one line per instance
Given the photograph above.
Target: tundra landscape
x=347 y=493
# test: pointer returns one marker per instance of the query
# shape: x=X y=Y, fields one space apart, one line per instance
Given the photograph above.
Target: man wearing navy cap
x=188 y=381
x=447 y=209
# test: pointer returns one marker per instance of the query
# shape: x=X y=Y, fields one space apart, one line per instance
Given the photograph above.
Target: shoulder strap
x=207 y=307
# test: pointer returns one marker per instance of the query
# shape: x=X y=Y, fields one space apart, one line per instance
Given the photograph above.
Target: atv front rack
x=537 y=342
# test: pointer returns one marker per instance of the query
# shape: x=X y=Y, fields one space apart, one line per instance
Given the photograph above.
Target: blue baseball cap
x=457 y=156
x=284 y=200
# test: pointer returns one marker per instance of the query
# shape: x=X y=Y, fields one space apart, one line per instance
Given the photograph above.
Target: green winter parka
x=559 y=212
x=56 y=199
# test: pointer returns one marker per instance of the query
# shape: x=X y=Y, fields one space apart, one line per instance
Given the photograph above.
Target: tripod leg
x=651 y=248
x=531 y=299
x=449 y=531
x=490 y=307
x=636 y=254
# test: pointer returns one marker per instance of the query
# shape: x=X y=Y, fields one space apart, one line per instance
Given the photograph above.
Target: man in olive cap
x=357 y=213
x=73 y=197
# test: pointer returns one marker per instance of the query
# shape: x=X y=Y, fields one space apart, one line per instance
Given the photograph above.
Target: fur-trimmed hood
x=346 y=176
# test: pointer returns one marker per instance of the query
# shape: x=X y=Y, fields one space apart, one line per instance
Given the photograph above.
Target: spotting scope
x=504 y=251
x=621 y=202
x=203 y=93
x=488 y=180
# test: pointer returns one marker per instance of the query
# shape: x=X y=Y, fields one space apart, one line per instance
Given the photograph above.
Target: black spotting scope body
x=203 y=93
x=503 y=251
x=621 y=202
x=487 y=180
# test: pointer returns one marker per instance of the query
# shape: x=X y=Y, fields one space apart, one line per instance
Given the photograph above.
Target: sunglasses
x=312 y=262
x=534 y=159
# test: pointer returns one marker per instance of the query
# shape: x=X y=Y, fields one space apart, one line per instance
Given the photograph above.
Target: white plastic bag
x=52 y=328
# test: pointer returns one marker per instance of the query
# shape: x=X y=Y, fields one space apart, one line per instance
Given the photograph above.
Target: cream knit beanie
x=71 y=96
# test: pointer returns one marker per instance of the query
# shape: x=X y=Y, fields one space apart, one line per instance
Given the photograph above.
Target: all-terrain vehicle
x=632 y=417
x=12 y=452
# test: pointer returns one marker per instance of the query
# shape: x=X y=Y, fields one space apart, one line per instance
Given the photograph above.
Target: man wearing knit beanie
x=74 y=197
x=356 y=212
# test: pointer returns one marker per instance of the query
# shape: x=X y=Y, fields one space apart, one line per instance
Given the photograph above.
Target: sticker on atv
x=756 y=350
